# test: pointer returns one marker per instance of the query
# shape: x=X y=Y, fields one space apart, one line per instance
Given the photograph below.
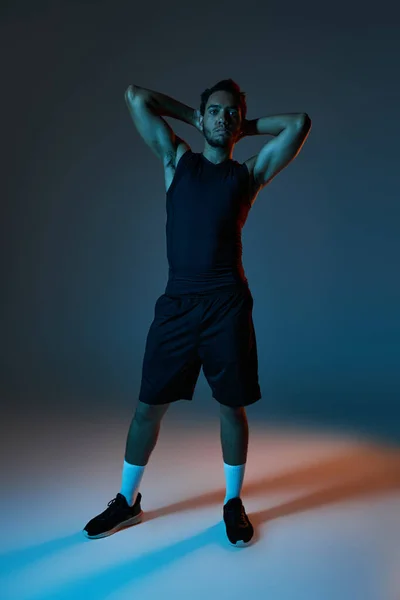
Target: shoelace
x=242 y=518
x=112 y=504
x=240 y=515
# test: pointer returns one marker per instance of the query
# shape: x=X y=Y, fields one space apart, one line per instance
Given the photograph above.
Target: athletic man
x=204 y=318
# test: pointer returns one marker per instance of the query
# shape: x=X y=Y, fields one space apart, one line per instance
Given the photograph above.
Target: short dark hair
x=227 y=85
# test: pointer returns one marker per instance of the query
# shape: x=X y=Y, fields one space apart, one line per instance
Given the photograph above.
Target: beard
x=217 y=141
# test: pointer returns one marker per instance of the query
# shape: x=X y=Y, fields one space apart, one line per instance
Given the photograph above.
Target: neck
x=217 y=155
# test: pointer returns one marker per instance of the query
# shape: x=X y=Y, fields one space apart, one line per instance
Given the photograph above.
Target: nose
x=223 y=122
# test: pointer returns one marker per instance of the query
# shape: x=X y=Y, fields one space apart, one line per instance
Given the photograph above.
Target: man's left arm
x=290 y=131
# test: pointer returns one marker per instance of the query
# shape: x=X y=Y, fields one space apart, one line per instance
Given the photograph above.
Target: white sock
x=234 y=475
x=131 y=478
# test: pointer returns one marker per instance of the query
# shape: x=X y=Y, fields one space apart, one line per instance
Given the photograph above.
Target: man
x=205 y=316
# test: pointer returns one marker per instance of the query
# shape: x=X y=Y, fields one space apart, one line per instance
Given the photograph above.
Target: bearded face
x=222 y=120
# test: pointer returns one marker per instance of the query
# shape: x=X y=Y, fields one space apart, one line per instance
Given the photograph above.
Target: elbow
x=135 y=97
x=305 y=121
x=133 y=92
x=129 y=94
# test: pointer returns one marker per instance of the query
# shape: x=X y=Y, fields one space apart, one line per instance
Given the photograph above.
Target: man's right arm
x=147 y=109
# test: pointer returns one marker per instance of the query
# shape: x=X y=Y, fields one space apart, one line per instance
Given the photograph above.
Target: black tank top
x=207 y=207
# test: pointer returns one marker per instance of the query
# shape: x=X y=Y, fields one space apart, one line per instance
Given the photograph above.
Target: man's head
x=223 y=109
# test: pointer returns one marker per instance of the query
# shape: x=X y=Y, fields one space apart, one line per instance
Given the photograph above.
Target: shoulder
x=180 y=156
x=182 y=148
x=172 y=158
x=250 y=162
x=248 y=165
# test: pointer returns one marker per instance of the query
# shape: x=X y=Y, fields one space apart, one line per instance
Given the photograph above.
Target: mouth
x=223 y=130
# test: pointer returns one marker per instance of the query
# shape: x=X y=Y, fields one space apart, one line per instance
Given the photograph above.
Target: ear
x=198 y=120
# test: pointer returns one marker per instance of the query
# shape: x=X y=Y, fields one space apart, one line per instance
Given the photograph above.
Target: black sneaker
x=117 y=516
x=238 y=527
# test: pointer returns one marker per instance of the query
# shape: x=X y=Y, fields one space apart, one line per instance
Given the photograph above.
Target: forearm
x=275 y=124
x=165 y=106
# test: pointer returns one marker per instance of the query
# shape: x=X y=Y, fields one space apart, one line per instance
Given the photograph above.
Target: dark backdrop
x=83 y=225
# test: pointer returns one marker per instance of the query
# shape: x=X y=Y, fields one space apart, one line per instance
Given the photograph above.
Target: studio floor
x=325 y=508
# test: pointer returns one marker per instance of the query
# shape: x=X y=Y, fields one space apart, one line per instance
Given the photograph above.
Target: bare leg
x=142 y=438
x=143 y=433
x=234 y=440
x=234 y=435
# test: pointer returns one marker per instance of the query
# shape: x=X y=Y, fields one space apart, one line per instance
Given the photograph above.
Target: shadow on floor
x=351 y=475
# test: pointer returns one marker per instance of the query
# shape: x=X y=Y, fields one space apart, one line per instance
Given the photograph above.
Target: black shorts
x=215 y=332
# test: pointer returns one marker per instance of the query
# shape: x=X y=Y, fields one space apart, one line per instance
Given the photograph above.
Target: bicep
x=154 y=130
x=278 y=153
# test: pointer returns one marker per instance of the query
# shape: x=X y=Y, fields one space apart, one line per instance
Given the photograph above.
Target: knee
x=145 y=413
x=232 y=414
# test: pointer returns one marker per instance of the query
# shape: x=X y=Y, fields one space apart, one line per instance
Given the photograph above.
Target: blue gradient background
x=83 y=225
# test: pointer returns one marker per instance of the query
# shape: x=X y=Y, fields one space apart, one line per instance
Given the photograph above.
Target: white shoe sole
x=132 y=521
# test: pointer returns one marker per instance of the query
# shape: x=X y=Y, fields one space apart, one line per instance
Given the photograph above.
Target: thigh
x=171 y=340
x=228 y=351
x=227 y=333
x=170 y=364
